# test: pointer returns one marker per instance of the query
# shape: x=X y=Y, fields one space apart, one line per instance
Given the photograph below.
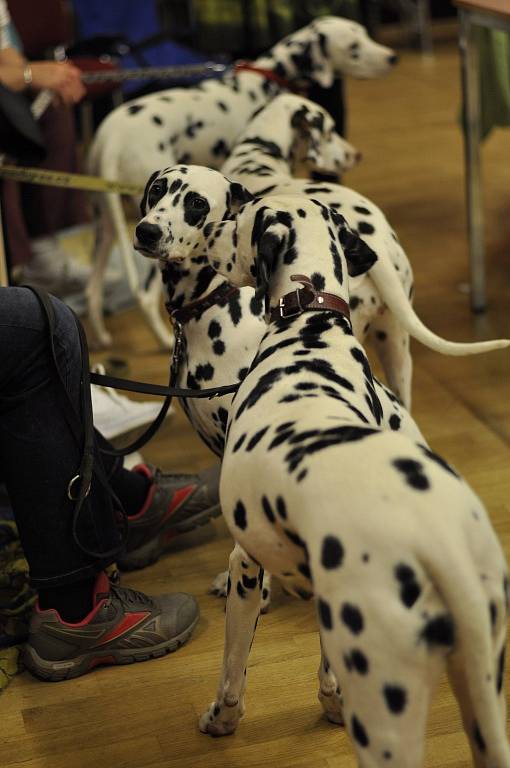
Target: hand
x=62 y=77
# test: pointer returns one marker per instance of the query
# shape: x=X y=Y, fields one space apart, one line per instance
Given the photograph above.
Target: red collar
x=245 y=66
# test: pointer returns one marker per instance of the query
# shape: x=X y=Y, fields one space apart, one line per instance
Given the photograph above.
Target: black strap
x=82 y=429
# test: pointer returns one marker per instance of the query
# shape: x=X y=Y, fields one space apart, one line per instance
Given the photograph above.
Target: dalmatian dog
x=200 y=124
x=260 y=161
x=406 y=570
x=290 y=137
x=219 y=340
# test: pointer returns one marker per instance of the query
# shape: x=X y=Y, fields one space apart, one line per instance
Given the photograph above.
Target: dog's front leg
x=330 y=695
x=243 y=606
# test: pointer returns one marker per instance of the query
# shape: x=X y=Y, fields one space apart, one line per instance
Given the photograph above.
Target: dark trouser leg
x=38 y=453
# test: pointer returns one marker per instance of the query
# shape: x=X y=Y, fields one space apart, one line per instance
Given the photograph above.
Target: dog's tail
x=392 y=293
x=458 y=583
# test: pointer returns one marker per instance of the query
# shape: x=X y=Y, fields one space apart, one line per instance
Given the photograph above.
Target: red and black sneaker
x=175 y=504
x=123 y=627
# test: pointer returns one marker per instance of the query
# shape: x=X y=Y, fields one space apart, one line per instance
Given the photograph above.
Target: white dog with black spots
x=406 y=570
x=289 y=138
x=200 y=124
x=220 y=341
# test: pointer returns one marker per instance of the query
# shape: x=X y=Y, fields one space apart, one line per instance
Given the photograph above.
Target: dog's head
x=331 y=46
x=285 y=230
x=316 y=146
x=177 y=204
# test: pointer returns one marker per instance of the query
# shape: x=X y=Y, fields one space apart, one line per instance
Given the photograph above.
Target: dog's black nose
x=148 y=234
x=393 y=59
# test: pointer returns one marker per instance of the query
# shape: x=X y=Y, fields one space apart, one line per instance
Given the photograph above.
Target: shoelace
x=130 y=596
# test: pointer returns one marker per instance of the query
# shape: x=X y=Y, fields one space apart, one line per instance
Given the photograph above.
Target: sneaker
x=123 y=627
x=116 y=414
x=53 y=270
x=175 y=504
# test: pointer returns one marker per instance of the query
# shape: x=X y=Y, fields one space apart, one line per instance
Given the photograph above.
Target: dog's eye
x=198 y=203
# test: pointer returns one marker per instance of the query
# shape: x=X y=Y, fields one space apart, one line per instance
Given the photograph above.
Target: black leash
x=168 y=393
x=82 y=426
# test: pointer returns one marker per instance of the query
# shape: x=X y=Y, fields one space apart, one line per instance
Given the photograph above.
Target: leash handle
x=82 y=429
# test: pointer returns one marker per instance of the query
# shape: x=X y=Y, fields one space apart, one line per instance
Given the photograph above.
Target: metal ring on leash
x=70 y=489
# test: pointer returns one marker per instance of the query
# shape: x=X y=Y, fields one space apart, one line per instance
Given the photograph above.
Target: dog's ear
x=269 y=244
x=239 y=196
x=323 y=73
x=143 y=202
x=359 y=256
x=309 y=135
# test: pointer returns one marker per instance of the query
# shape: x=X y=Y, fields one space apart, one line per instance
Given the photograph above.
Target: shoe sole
x=56 y=671
x=150 y=552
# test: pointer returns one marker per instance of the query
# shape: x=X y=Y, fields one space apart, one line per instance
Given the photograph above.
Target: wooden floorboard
x=146 y=715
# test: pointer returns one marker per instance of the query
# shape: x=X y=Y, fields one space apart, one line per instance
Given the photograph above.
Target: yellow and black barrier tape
x=70 y=180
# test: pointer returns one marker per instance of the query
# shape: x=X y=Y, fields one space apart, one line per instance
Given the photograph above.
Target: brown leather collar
x=245 y=66
x=196 y=308
x=305 y=299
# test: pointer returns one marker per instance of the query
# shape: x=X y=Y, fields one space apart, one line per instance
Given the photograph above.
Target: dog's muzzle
x=147 y=236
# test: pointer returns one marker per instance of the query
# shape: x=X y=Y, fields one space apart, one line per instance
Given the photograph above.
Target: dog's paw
x=222 y=718
x=332 y=704
x=219 y=585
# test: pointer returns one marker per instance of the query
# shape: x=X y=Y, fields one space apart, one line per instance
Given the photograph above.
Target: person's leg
x=39 y=455
x=38 y=452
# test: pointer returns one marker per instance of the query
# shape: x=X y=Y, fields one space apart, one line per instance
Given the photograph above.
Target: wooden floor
x=146 y=715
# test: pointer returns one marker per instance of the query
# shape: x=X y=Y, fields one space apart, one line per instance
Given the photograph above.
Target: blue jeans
x=38 y=452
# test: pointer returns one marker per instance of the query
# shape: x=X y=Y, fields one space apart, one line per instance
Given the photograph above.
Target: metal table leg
x=471 y=96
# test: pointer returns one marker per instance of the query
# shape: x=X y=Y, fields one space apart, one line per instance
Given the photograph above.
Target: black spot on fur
x=268 y=510
x=359 y=662
x=281 y=507
x=359 y=733
x=325 y=616
x=249 y=583
x=318 y=281
x=214 y=329
x=479 y=740
x=410 y=589
x=239 y=443
x=395 y=421
x=439 y=631
x=501 y=670
x=304 y=569
x=396 y=698
x=361 y=209
x=493 y=612
x=250 y=445
x=240 y=516
x=133 y=109
x=352 y=618
x=413 y=472
x=332 y=553
x=439 y=460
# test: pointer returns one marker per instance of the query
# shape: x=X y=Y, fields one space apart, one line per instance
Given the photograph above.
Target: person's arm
x=62 y=77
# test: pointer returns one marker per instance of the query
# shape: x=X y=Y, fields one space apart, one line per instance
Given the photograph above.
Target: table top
x=499 y=8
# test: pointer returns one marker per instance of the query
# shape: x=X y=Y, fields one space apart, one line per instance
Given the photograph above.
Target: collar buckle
x=298 y=311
